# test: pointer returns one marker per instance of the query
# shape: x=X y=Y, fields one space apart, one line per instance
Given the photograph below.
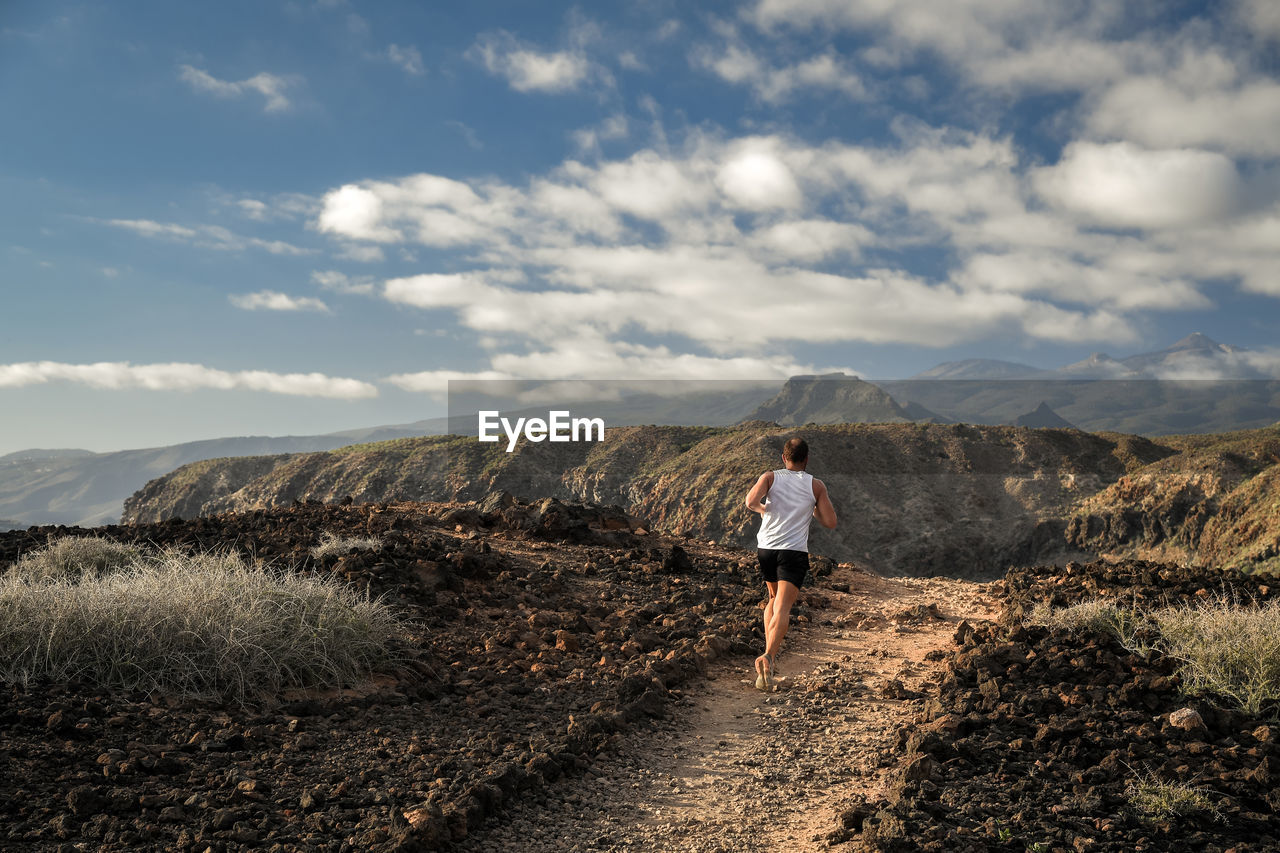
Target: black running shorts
x=789 y=566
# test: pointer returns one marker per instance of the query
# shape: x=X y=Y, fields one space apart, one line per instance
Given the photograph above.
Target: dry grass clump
x=204 y=625
x=1153 y=798
x=331 y=543
x=73 y=557
x=1226 y=648
x=1096 y=616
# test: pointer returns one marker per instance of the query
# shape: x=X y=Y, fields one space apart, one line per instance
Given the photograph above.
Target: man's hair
x=796 y=450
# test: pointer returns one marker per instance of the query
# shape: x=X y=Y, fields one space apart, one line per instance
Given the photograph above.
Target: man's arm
x=823 y=510
x=755 y=497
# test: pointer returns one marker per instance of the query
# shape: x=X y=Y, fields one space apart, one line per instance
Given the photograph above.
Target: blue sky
x=299 y=217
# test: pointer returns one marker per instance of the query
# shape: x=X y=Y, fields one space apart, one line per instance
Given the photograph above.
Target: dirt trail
x=741 y=770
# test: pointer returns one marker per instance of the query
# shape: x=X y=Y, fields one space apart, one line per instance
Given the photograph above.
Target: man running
x=786 y=499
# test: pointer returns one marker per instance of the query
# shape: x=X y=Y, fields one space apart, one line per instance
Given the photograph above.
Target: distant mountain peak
x=979 y=368
x=830 y=399
x=1195 y=340
x=1042 y=416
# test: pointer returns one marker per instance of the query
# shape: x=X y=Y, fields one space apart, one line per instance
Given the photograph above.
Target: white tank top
x=784 y=525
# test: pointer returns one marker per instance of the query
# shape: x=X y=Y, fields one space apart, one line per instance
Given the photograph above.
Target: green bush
x=73 y=557
x=204 y=625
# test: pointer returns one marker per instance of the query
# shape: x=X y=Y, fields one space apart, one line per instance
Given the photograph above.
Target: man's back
x=788 y=508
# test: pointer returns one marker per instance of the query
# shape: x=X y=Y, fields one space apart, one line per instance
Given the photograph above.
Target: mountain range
x=74 y=486
x=1196 y=356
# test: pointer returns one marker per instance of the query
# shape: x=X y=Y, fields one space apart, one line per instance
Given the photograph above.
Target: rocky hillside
x=913 y=498
x=1216 y=502
x=541 y=633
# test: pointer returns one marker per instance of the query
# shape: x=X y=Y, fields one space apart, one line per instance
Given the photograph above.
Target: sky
x=296 y=217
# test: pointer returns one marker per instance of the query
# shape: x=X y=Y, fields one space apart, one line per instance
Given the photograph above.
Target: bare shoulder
x=767 y=478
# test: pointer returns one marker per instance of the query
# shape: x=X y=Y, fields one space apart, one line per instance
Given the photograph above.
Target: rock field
x=571 y=681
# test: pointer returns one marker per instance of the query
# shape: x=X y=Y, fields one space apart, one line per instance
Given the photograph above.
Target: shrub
x=1097 y=616
x=1154 y=798
x=338 y=545
x=1222 y=647
x=73 y=557
x=204 y=625
x=1227 y=649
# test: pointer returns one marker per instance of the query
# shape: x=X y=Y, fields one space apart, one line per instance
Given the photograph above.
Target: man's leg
x=772 y=586
x=775 y=631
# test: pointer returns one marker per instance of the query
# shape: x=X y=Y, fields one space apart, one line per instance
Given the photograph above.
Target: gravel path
x=734 y=769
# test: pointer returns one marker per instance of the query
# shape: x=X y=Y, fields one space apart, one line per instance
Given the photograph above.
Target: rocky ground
x=541 y=635
x=572 y=682
x=1032 y=736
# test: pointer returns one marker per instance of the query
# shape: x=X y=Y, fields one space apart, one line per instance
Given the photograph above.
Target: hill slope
x=913 y=498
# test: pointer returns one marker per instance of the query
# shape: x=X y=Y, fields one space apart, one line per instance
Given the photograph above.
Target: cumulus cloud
x=179 y=376
x=527 y=69
x=759 y=244
x=204 y=236
x=1236 y=117
x=1192 y=87
x=1260 y=17
x=773 y=84
x=271 y=300
x=1122 y=185
x=253 y=208
x=271 y=87
x=756 y=178
x=342 y=283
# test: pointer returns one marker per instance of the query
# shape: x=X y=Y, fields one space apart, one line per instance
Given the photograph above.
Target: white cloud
x=735 y=246
x=756 y=179
x=527 y=69
x=1260 y=17
x=588 y=139
x=179 y=376
x=407 y=59
x=355 y=212
x=278 y=207
x=591 y=356
x=740 y=65
x=1239 y=118
x=148 y=228
x=1122 y=185
x=437 y=381
x=271 y=300
x=341 y=283
x=813 y=240
x=253 y=208
x=204 y=236
x=271 y=87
